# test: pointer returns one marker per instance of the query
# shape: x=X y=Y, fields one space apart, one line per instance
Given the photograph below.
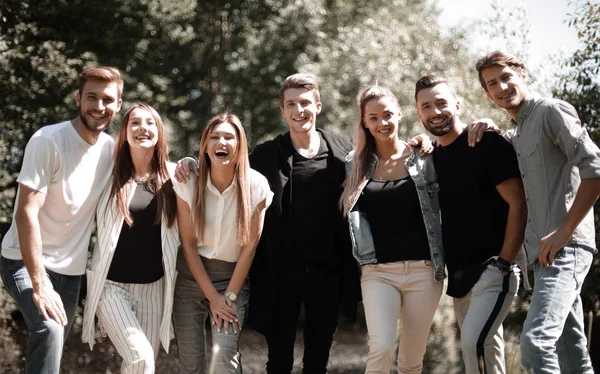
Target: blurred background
x=192 y=59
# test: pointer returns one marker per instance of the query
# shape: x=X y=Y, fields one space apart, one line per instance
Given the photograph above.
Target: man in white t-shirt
x=66 y=167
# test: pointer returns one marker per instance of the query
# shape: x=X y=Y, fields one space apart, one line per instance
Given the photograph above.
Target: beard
x=442 y=130
x=91 y=128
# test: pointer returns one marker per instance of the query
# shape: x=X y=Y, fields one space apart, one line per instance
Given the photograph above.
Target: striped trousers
x=480 y=315
x=130 y=314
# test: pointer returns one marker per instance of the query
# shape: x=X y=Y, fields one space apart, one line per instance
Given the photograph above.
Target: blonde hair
x=364 y=144
x=241 y=176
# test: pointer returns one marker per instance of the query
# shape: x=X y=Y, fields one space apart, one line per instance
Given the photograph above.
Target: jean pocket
x=583 y=262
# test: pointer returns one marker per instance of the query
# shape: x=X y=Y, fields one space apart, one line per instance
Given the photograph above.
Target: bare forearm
x=515 y=231
x=586 y=196
x=247 y=253
x=240 y=273
x=30 y=242
x=188 y=244
x=199 y=272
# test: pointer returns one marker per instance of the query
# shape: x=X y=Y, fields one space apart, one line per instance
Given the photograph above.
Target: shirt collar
x=524 y=111
x=211 y=187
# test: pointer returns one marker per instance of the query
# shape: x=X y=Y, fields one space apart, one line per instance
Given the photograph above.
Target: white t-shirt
x=72 y=174
x=220 y=223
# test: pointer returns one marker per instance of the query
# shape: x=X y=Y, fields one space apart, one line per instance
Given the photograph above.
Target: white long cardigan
x=109 y=228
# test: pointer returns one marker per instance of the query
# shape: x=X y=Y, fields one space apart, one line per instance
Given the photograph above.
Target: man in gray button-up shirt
x=560 y=168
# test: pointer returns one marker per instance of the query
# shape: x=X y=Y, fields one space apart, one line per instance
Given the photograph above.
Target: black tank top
x=394 y=214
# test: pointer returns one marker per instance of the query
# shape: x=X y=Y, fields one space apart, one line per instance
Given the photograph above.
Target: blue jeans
x=553 y=338
x=46 y=338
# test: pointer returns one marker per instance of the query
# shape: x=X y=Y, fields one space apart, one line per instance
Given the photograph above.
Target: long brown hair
x=364 y=144
x=159 y=182
x=241 y=176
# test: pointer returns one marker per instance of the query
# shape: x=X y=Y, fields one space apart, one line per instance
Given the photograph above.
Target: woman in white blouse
x=220 y=213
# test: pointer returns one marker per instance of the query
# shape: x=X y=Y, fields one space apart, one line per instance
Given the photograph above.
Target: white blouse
x=220 y=224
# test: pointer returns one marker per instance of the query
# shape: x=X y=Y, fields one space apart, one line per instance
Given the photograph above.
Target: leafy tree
x=35 y=81
x=191 y=59
x=581 y=85
x=392 y=43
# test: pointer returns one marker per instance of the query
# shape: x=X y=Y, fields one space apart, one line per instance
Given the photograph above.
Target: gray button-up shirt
x=555 y=152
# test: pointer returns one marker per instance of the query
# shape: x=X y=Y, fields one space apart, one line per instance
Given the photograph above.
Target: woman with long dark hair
x=132 y=275
x=220 y=213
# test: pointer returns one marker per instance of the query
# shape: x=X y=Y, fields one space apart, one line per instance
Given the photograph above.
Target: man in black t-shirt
x=483 y=223
x=304 y=255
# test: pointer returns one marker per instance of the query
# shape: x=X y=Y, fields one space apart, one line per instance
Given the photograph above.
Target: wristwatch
x=502 y=265
x=232 y=296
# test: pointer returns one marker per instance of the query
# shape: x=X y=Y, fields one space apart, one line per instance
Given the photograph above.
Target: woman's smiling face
x=222 y=145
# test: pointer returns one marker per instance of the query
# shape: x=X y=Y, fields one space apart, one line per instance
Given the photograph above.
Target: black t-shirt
x=473 y=212
x=396 y=221
x=313 y=203
x=138 y=255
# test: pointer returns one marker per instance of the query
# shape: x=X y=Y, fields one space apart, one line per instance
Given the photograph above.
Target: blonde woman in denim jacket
x=391 y=202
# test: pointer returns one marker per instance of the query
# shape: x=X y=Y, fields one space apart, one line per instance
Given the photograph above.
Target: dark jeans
x=319 y=290
x=46 y=338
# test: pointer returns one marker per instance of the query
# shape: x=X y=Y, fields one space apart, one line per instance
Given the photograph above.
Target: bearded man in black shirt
x=483 y=224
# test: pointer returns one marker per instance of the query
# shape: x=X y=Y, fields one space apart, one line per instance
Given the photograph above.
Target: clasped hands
x=224 y=312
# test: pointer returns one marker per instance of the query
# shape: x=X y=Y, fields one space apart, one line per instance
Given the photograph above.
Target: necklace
x=141 y=177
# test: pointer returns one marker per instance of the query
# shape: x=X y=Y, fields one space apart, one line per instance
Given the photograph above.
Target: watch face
x=232 y=296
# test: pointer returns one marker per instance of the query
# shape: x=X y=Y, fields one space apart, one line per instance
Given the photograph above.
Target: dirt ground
x=348 y=353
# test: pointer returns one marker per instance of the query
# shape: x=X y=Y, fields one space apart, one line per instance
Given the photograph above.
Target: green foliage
x=193 y=59
x=581 y=85
x=36 y=78
x=392 y=44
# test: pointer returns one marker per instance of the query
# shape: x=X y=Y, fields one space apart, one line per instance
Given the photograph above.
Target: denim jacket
x=422 y=172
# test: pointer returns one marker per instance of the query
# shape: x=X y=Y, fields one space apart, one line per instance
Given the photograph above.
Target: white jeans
x=130 y=314
x=405 y=290
x=480 y=315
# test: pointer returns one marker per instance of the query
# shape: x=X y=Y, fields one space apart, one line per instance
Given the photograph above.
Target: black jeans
x=319 y=290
